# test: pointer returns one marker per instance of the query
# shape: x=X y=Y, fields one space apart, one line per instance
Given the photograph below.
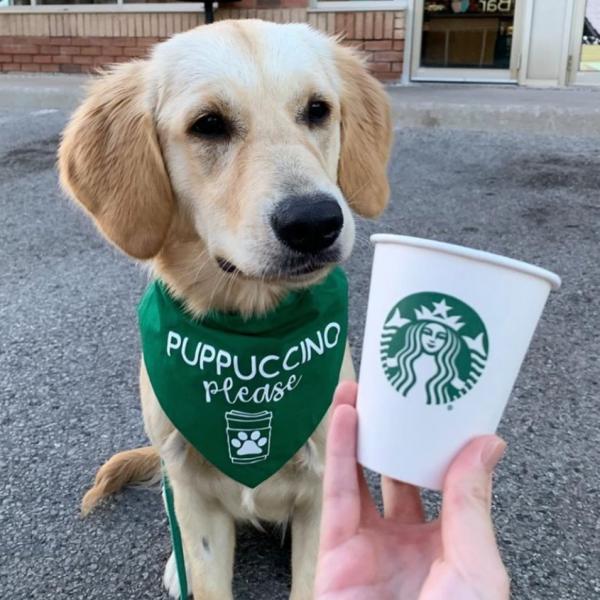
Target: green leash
x=175 y=537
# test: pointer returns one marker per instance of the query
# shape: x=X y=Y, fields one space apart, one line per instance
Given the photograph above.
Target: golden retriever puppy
x=231 y=161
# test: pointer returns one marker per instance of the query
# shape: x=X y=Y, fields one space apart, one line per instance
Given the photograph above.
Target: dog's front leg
x=305 y=547
x=207 y=530
x=208 y=536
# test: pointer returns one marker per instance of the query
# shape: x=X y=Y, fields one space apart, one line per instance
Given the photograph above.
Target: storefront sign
x=496 y=6
x=458 y=7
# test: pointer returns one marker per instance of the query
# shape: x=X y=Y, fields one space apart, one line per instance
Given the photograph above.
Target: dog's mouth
x=291 y=269
x=227 y=266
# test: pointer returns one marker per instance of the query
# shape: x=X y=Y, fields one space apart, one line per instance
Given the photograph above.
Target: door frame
x=510 y=75
x=574 y=76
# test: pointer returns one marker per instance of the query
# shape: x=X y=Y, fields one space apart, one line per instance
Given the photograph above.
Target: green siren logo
x=434 y=346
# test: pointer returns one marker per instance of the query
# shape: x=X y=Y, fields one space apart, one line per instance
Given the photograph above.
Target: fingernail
x=492 y=453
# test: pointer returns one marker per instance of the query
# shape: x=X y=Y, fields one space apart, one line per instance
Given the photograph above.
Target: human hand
x=400 y=556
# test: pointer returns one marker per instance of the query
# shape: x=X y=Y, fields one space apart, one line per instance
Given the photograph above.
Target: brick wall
x=74 y=49
x=379 y=34
x=67 y=54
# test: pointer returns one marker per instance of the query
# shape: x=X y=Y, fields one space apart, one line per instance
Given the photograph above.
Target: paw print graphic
x=248 y=445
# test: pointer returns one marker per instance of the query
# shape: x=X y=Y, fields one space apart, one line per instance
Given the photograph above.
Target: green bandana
x=247 y=393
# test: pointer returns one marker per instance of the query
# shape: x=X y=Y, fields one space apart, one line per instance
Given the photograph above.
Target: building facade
x=526 y=42
x=82 y=37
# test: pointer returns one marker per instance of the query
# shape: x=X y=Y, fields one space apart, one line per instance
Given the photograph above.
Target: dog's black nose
x=307 y=223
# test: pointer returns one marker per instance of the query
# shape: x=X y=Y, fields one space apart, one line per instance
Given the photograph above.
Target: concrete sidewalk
x=572 y=111
x=564 y=111
x=35 y=92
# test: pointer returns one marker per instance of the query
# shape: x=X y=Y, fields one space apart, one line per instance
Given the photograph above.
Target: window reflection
x=590 y=48
x=467 y=33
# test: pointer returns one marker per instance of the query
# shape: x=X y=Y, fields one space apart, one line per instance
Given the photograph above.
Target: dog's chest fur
x=275 y=499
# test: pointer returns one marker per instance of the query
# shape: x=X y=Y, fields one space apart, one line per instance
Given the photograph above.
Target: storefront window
x=590 y=48
x=467 y=33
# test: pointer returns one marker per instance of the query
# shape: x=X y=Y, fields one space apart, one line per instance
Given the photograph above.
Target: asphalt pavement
x=69 y=356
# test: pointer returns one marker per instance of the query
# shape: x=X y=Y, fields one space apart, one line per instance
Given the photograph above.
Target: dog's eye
x=317 y=111
x=212 y=126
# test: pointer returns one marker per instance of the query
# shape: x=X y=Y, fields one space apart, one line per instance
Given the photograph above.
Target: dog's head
x=240 y=147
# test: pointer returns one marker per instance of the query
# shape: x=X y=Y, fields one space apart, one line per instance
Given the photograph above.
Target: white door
x=584 y=57
x=466 y=40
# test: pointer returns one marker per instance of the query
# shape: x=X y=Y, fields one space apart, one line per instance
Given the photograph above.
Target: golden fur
x=161 y=196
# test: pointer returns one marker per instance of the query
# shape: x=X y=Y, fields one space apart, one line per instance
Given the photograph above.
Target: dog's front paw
x=171 y=579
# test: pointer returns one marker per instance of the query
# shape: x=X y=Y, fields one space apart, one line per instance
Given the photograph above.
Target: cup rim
x=479 y=255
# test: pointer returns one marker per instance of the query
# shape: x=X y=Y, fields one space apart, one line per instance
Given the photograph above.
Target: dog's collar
x=247 y=393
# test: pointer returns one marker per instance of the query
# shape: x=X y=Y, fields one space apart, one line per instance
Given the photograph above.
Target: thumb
x=467 y=531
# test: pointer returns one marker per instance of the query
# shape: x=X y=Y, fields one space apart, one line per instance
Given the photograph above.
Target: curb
x=571 y=111
x=41 y=91
x=540 y=119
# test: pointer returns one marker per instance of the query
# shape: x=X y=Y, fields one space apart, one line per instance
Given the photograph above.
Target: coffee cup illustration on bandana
x=435 y=343
x=248 y=436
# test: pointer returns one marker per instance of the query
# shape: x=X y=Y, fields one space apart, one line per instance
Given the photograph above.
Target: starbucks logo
x=433 y=346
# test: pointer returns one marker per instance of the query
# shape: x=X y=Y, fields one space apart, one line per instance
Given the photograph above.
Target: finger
x=401 y=502
x=345 y=393
x=467 y=528
x=369 y=514
x=341 y=492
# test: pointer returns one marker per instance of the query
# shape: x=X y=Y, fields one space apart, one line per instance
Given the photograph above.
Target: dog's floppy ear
x=110 y=162
x=366 y=136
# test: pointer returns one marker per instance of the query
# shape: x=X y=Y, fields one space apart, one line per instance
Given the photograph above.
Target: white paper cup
x=447 y=330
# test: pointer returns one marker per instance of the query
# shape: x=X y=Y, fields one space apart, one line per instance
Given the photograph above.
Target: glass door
x=465 y=40
x=584 y=63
